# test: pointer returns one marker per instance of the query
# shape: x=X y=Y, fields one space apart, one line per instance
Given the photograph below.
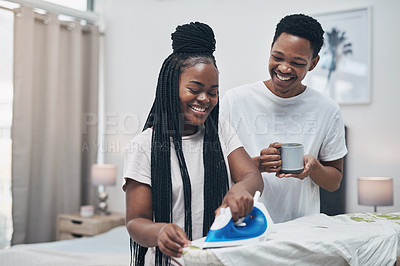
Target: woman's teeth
x=198 y=109
x=282 y=78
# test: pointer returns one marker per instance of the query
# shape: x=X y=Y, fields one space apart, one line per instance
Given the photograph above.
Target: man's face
x=289 y=62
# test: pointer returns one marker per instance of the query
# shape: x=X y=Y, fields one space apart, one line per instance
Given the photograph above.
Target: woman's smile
x=198 y=95
x=198 y=108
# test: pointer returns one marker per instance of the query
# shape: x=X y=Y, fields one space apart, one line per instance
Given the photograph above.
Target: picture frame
x=343 y=71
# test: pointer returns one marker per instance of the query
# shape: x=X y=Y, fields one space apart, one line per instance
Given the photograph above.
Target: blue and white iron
x=248 y=230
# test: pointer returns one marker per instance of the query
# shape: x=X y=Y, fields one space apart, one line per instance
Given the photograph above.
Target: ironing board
x=347 y=239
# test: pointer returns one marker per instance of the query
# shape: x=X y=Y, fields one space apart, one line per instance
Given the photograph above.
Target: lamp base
x=102 y=207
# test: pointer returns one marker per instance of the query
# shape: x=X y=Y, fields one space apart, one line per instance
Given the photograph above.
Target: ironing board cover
x=347 y=239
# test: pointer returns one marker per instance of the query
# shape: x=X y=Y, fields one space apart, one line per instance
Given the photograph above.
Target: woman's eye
x=192 y=90
x=212 y=94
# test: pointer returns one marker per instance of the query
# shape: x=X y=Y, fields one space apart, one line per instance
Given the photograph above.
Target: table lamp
x=103 y=175
x=375 y=191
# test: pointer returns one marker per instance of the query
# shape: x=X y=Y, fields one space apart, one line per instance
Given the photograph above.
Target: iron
x=248 y=230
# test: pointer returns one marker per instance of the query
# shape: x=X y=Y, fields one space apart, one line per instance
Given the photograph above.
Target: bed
x=109 y=249
x=349 y=239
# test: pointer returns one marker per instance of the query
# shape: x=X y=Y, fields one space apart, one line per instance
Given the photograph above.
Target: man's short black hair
x=302 y=26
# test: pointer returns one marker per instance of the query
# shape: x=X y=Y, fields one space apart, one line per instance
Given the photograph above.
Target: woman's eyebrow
x=202 y=85
x=197 y=83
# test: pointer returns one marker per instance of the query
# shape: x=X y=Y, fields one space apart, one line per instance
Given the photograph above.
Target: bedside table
x=73 y=225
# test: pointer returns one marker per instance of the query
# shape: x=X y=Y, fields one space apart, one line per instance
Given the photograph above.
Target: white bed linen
x=354 y=239
x=110 y=248
x=314 y=240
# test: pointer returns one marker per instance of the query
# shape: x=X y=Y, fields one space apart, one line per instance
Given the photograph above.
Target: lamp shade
x=103 y=174
x=375 y=191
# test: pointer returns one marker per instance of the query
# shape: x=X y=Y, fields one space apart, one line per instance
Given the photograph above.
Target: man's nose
x=285 y=68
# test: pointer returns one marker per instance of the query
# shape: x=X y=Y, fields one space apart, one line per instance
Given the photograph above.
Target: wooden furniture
x=73 y=225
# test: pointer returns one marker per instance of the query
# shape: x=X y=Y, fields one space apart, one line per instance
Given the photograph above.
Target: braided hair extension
x=193 y=43
x=215 y=175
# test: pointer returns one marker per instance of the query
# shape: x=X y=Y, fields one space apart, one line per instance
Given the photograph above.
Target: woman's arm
x=169 y=237
x=247 y=179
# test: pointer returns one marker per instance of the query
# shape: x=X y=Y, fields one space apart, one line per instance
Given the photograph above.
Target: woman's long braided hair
x=192 y=44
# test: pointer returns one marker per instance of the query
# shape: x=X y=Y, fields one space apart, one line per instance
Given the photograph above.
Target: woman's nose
x=202 y=97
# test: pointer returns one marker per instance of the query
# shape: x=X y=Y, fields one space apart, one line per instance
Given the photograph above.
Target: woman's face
x=198 y=95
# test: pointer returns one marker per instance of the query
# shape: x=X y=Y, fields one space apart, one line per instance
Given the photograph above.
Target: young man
x=268 y=113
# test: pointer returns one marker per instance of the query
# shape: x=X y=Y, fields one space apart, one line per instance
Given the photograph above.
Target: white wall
x=137 y=40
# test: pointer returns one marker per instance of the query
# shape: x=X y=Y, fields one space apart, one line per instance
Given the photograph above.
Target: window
x=76 y=4
x=6 y=98
x=6 y=101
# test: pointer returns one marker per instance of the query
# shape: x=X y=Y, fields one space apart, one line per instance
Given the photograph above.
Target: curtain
x=54 y=128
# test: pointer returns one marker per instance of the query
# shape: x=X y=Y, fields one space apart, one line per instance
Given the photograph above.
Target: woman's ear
x=314 y=63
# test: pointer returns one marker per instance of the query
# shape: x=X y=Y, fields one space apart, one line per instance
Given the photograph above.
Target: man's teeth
x=282 y=78
x=198 y=109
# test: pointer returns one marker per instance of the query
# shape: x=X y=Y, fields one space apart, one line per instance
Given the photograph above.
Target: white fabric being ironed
x=315 y=240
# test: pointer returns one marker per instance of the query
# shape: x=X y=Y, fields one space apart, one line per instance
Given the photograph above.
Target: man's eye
x=277 y=58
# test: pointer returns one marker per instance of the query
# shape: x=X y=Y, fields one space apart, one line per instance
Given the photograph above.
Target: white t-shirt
x=137 y=166
x=260 y=118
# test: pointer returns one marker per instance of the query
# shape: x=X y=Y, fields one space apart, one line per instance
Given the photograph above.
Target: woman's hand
x=169 y=237
x=239 y=200
x=247 y=179
x=171 y=240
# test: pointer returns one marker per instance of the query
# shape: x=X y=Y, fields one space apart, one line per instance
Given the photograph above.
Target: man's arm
x=327 y=175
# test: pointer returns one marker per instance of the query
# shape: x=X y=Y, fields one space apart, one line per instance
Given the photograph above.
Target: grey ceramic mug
x=292 y=158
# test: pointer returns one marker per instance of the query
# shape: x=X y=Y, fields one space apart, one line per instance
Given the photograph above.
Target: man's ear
x=314 y=63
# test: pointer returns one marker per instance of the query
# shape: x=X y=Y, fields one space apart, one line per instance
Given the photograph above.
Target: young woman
x=178 y=171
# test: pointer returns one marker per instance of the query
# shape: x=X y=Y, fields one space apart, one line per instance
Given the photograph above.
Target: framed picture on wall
x=343 y=71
